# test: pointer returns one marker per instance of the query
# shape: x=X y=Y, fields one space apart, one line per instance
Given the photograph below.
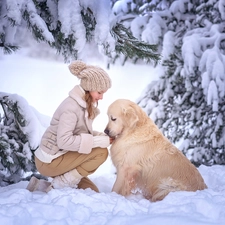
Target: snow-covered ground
x=44 y=84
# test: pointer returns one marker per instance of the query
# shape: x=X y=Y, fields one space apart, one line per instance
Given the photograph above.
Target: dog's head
x=123 y=115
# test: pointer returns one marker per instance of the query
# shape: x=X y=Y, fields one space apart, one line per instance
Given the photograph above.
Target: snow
x=154 y=30
x=138 y=25
x=44 y=84
x=69 y=14
x=212 y=96
x=168 y=44
x=121 y=6
x=190 y=52
x=221 y=6
x=36 y=20
x=101 y=10
x=13 y=11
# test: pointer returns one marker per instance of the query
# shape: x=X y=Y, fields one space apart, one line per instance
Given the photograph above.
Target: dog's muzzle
x=106 y=131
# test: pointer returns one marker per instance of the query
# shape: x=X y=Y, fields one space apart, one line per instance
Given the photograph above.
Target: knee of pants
x=106 y=153
x=103 y=152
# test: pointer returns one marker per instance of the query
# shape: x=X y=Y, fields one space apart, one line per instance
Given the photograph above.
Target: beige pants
x=85 y=164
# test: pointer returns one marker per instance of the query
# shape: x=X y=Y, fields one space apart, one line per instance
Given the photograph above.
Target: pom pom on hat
x=76 y=67
x=92 y=78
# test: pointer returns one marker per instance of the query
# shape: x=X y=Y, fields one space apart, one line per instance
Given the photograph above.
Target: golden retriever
x=144 y=158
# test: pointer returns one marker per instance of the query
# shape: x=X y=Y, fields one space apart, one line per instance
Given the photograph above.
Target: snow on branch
x=37 y=24
x=154 y=30
x=191 y=52
x=212 y=98
x=71 y=22
x=13 y=12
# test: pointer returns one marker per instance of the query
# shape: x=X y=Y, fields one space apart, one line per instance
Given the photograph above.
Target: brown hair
x=90 y=107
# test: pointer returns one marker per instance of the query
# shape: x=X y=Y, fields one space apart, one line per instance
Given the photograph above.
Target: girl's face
x=97 y=95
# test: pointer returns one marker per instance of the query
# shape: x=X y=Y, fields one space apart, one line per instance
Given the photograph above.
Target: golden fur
x=145 y=159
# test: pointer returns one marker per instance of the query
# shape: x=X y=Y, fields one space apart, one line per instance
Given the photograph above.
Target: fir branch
x=8 y=49
x=131 y=47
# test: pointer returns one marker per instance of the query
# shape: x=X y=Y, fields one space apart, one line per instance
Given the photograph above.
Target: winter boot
x=69 y=179
x=39 y=185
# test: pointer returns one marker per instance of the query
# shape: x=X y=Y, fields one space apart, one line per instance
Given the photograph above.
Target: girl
x=70 y=150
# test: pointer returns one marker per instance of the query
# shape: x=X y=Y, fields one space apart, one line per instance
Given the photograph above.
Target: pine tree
x=187 y=102
x=70 y=26
x=16 y=145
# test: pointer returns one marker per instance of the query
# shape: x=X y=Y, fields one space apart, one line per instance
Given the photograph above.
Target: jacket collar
x=77 y=93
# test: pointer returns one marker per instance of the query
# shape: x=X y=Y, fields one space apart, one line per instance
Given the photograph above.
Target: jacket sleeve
x=69 y=141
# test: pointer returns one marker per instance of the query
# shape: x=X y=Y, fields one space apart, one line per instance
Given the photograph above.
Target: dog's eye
x=113 y=119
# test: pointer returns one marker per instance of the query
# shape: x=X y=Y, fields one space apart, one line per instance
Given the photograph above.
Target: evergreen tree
x=71 y=26
x=18 y=129
x=187 y=102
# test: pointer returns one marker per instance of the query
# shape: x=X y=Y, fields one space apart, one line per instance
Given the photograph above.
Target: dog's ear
x=130 y=116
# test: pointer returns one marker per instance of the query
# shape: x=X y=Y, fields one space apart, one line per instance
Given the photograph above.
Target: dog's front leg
x=125 y=181
x=130 y=180
x=119 y=183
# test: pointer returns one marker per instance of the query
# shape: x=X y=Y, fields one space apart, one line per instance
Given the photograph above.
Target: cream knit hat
x=92 y=78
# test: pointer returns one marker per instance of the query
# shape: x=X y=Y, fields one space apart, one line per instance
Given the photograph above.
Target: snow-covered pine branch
x=72 y=27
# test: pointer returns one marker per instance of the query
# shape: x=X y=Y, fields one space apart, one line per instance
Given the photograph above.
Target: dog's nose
x=106 y=131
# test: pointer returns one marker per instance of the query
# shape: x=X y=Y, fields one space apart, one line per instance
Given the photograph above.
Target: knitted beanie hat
x=92 y=78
